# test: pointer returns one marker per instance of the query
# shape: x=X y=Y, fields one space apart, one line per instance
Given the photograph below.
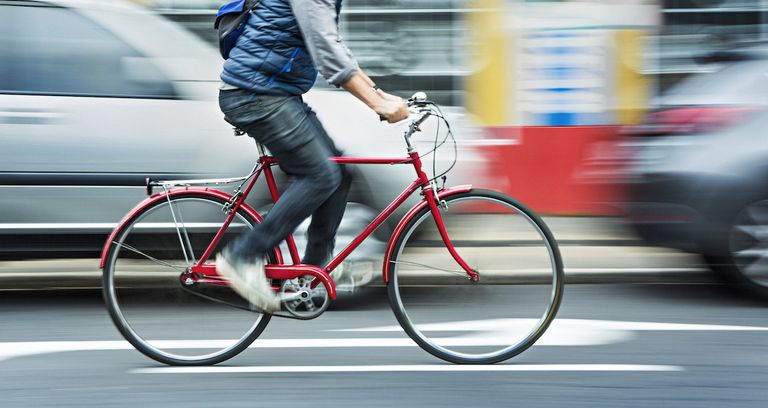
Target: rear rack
x=166 y=184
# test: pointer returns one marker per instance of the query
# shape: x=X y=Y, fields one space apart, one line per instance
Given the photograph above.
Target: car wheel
x=746 y=262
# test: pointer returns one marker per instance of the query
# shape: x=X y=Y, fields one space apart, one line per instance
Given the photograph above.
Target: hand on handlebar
x=392 y=108
x=389 y=96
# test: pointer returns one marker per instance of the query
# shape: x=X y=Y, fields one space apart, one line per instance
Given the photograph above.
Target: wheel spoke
x=757 y=268
x=749 y=245
x=754 y=252
x=151 y=258
x=455 y=272
x=758 y=232
x=758 y=212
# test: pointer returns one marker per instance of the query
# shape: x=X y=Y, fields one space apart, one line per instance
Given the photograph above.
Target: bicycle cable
x=438 y=113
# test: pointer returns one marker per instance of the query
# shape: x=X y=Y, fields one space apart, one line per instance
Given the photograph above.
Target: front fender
x=408 y=216
x=163 y=196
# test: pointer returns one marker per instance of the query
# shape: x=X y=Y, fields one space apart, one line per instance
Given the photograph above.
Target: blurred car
x=96 y=96
x=698 y=178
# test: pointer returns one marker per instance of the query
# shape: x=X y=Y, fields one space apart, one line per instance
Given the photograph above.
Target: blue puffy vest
x=270 y=57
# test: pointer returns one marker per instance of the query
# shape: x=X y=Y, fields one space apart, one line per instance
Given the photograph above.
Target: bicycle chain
x=241 y=307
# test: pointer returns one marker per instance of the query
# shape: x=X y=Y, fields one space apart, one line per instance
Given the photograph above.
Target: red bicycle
x=473 y=276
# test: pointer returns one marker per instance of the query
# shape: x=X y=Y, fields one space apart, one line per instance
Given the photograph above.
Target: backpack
x=230 y=22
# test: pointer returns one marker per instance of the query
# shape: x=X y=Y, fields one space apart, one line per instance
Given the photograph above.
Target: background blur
x=643 y=110
x=646 y=115
x=635 y=127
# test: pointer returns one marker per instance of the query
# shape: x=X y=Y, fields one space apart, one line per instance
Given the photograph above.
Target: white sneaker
x=350 y=275
x=248 y=280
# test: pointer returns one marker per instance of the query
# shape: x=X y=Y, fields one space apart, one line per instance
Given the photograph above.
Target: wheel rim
x=748 y=243
x=152 y=310
x=479 y=339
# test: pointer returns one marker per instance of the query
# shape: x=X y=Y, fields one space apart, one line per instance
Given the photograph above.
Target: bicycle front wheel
x=151 y=305
x=518 y=293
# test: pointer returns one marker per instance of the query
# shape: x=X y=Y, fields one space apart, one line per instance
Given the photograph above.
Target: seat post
x=262 y=150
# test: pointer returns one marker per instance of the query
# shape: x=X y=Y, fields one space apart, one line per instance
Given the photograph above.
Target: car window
x=746 y=80
x=56 y=51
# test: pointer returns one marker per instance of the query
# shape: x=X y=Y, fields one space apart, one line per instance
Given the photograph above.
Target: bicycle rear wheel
x=516 y=298
x=154 y=310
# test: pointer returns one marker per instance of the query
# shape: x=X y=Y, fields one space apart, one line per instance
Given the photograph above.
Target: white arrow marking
x=562 y=332
x=561 y=324
x=409 y=368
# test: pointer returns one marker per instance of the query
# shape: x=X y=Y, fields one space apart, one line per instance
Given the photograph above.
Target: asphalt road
x=618 y=345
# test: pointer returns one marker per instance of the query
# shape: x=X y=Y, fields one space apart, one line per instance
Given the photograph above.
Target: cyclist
x=276 y=60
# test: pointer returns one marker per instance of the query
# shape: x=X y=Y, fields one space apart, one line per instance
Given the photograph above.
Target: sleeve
x=318 y=23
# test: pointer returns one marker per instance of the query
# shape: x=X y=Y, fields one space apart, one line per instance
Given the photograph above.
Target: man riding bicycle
x=275 y=61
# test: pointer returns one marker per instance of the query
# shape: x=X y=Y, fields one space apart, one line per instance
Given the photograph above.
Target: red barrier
x=557 y=170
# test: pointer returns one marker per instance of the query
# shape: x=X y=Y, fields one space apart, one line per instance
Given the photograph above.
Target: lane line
x=20 y=349
x=412 y=368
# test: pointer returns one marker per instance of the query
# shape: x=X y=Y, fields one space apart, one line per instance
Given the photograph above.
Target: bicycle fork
x=434 y=207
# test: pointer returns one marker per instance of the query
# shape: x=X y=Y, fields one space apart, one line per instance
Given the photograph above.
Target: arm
x=317 y=21
x=387 y=106
x=380 y=91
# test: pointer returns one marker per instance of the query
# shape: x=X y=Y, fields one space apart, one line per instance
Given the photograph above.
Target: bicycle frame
x=285 y=271
x=205 y=272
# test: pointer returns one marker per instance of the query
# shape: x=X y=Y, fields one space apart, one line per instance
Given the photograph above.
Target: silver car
x=97 y=96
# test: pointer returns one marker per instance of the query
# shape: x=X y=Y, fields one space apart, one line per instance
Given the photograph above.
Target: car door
x=84 y=118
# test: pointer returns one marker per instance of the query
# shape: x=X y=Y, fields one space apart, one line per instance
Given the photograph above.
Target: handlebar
x=417 y=100
x=420 y=105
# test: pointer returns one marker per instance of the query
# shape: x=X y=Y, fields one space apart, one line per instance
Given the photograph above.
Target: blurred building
x=548 y=80
x=422 y=44
x=692 y=28
x=518 y=66
x=404 y=45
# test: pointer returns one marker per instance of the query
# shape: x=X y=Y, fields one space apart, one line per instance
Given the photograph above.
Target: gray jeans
x=291 y=131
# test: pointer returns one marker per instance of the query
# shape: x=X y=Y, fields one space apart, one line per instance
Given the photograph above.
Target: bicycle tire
x=117 y=311
x=409 y=313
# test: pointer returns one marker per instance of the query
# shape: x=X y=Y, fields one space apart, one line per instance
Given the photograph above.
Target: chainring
x=302 y=301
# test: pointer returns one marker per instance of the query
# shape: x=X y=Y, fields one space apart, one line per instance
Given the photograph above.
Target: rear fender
x=173 y=193
x=407 y=218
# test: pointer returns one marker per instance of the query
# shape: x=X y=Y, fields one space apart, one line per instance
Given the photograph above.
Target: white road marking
x=652 y=271
x=562 y=332
x=412 y=368
x=562 y=324
x=20 y=349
